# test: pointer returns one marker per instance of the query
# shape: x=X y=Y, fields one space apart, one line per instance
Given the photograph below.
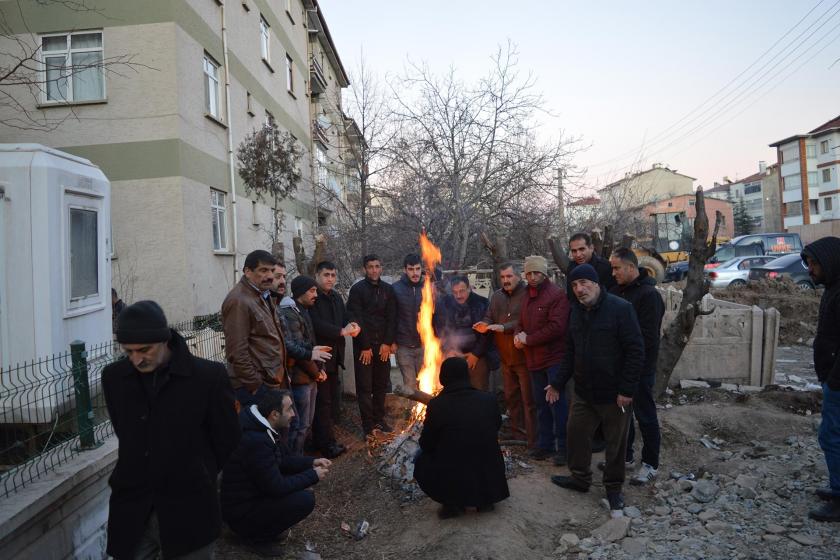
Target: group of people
x=577 y=365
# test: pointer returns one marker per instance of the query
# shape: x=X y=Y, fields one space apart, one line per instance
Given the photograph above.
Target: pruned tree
x=678 y=332
x=268 y=161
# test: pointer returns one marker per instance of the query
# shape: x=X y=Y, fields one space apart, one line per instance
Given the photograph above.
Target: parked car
x=676 y=271
x=735 y=272
x=756 y=244
x=787 y=266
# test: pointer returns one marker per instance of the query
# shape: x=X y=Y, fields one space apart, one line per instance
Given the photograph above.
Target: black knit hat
x=301 y=285
x=141 y=323
x=583 y=272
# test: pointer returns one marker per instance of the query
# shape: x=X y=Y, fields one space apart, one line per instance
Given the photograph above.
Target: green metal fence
x=52 y=409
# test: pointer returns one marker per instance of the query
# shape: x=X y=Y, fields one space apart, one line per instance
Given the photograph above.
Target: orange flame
x=427 y=378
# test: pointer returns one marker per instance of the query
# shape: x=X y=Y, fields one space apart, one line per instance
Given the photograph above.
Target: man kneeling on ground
x=265 y=488
x=460 y=463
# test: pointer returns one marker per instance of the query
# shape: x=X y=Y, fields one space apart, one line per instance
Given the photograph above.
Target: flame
x=427 y=378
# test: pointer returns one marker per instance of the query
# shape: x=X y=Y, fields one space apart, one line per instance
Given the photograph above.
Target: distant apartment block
x=809 y=165
x=203 y=74
x=760 y=193
x=637 y=189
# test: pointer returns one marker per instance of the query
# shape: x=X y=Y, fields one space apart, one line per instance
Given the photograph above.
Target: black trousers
x=322 y=426
x=269 y=517
x=372 y=382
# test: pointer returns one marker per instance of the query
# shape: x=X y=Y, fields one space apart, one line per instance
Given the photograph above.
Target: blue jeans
x=829 y=436
x=304 y=396
x=644 y=409
x=551 y=418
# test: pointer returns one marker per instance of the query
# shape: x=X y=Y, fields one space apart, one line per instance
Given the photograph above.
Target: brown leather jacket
x=504 y=310
x=254 y=348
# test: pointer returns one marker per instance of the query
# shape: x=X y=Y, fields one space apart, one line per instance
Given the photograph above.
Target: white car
x=735 y=272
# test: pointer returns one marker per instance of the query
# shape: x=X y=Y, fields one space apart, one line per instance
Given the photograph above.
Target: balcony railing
x=316 y=77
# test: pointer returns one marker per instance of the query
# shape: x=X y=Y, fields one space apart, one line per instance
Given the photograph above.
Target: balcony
x=317 y=80
x=319 y=134
x=792 y=195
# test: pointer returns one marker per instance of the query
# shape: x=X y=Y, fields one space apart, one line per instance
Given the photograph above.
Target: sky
x=701 y=86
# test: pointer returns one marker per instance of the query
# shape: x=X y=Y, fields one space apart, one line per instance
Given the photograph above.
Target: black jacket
x=173 y=441
x=461 y=462
x=262 y=467
x=601 y=266
x=409 y=297
x=453 y=324
x=826 y=251
x=649 y=308
x=604 y=351
x=374 y=308
x=329 y=316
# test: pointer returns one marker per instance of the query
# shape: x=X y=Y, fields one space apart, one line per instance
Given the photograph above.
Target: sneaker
x=825 y=494
x=569 y=483
x=560 y=458
x=540 y=454
x=627 y=465
x=616 y=500
x=829 y=511
x=645 y=474
x=383 y=427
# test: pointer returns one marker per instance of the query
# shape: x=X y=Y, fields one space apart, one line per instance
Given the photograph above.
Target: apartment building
x=637 y=189
x=760 y=194
x=159 y=94
x=809 y=165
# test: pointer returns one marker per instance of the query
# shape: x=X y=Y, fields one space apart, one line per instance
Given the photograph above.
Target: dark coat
x=826 y=251
x=329 y=316
x=374 y=308
x=544 y=317
x=604 y=351
x=300 y=330
x=601 y=266
x=409 y=297
x=261 y=467
x=453 y=324
x=461 y=462
x=171 y=448
x=649 y=308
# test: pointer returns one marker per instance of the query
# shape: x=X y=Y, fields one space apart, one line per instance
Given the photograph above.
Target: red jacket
x=544 y=318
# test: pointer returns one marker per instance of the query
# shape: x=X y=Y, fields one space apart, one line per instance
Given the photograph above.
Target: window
x=793 y=209
x=265 y=40
x=752 y=189
x=824 y=147
x=73 y=67
x=792 y=182
x=321 y=157
x=810 y=151
x=290 y=11
x=790 y=154
x=814 y=206
x=812 y=178
x=84 y=254
x=298 y=227
x=290 y=74
x=211 y=87
x=248 y=104
x=826 y=175
x=827 y=204
x=219 y=214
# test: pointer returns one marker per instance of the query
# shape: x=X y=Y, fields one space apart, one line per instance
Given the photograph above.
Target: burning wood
x=415 y=395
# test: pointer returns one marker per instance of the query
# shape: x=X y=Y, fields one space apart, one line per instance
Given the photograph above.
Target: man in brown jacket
x=254 y=348
x=501 y=319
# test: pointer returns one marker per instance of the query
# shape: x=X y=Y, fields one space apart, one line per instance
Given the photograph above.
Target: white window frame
x=78 y=199
x=218 y=211
x=290 y=74
x=826 y=175
x=827 y=204
x=68 y=53
x=810 y=151
x=212 y=101
x=265 y=40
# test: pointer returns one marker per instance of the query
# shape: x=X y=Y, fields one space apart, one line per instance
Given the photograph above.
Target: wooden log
x=597 y=241
x=607 y=248
x=558 y=253
x=415 y=395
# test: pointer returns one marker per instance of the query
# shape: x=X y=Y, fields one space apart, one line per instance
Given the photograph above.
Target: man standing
x=332 y=324
x=454 y=319
x=501 y=319
x=174 y=416
x=254 y=347
x=541 y=334
x=372 y=305
x=604 y=354
x=582 y=251
x=265 y=487
x=409 y=293
x=460 y=463
x=305 y=373
x=634 y=285
x=823 y=260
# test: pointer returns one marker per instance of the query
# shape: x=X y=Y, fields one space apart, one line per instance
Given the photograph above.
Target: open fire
x=427 y=379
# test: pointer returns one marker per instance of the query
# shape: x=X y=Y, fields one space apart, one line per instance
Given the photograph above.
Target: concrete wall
x=812 y=232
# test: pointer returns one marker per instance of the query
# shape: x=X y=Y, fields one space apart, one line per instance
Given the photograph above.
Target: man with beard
x=822 y=257
x=454 y=320
x=409 y=293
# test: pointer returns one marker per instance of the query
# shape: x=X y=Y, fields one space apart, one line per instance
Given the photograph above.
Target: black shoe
x=485 y=508
x=829 y=511
x=448 y=511
x=825 y=494
x=616 y=500
x=539 y=454
x=383 y=427
x=267 y=549
x=560 y=458
x=570 y=483
x=333 y=451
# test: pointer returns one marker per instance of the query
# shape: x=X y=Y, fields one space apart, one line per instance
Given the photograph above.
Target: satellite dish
x=673 y=245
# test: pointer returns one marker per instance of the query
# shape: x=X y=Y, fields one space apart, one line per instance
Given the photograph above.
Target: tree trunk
x=561 y=259
x=678 y=333
x=300 y=255
x=597 y=241
x=498 y=251
x=607 y=249
x=278 y=251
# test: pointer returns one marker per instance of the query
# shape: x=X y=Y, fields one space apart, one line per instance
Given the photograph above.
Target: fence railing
x=52 y=409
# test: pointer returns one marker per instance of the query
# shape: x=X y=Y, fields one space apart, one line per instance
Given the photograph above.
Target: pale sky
x=621 y=73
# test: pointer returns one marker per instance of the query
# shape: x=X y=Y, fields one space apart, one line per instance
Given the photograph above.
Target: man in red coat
x=542 y=335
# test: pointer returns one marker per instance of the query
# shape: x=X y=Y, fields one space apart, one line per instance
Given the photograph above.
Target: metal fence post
x=81 y=386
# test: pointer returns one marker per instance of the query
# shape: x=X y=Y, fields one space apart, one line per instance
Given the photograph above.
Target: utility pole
x=561 y=210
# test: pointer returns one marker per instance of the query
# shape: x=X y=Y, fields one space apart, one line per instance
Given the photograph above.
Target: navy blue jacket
x=453 y=324
x=261 y=468
x=604 y=351
x=409 y=297
x=826 y=251
x=650 y=309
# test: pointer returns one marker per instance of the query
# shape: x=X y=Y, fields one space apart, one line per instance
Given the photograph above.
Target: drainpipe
x=231 y=174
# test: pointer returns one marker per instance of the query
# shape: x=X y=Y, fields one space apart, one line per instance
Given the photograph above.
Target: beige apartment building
x=184 y=81
x=637 y=189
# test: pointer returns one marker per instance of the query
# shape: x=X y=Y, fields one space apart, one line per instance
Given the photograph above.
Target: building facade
x=809 y=165
x=638 y=189
x=159 y=94
x=760 y=194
